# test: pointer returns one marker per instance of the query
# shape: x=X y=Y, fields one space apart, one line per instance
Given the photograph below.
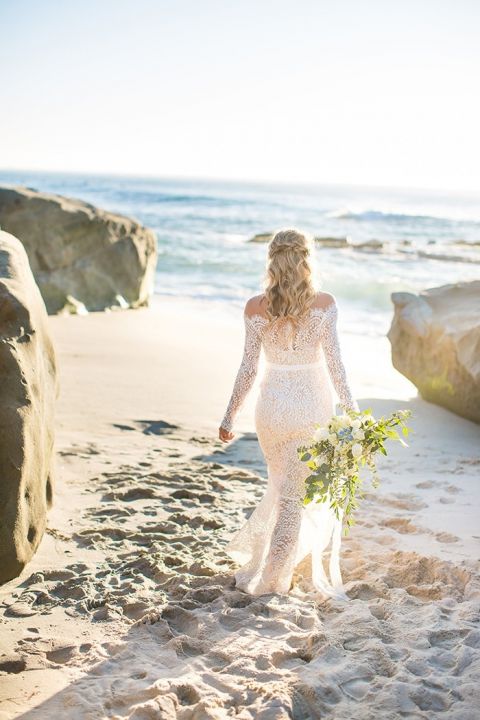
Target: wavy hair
x=289 y=283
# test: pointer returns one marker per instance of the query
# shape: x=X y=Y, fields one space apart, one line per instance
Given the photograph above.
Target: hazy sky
x=371 y=92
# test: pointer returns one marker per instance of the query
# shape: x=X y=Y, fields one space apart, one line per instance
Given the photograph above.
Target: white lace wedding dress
x=295 y=393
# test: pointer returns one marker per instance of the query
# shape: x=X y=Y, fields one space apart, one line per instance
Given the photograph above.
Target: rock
x=261 y=237
x=28 y=391
x=448 y=257
x=324 y=241
x=467 y=243
x=80 y=256
x=435 y=339
x=333 y=241
x=369 y=245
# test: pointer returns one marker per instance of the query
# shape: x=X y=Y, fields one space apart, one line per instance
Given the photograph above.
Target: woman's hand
x=225 y=435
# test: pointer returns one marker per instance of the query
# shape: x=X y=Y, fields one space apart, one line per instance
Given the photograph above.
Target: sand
x=129 y=608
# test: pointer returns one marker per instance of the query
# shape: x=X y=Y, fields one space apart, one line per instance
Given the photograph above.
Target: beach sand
x=129 y=608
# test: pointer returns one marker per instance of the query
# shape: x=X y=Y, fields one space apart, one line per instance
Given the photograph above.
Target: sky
x=369 y=92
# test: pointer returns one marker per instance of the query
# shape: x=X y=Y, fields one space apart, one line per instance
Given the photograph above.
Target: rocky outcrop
x=28 y=389
x=373 y=244
x=435 y=339
x=320 y=240
x=261 y=237
x=81 y=257
x=333 y=242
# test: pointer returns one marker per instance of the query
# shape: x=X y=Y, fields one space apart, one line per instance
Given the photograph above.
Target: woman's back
x=314 y=344
x=284 y=344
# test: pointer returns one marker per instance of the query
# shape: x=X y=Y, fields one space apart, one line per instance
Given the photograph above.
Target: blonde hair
x=289 y=283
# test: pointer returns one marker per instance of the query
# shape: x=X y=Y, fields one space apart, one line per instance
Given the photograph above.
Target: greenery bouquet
x=339 y=449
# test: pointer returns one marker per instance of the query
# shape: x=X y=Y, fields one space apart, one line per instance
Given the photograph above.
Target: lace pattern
x=333 y=356
x=247 y=371
x=281 y=531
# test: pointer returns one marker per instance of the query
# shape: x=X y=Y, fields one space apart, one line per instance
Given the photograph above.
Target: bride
x=296 y=326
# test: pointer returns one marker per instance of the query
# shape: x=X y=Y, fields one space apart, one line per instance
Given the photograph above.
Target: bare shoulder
x=324 y=300
x=255 y=305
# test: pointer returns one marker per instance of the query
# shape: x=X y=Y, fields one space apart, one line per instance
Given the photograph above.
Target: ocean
x=203 y=226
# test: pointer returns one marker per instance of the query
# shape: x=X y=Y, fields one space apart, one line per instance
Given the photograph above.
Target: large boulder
x=435 y=339
x=28 y=390
x=81 y=257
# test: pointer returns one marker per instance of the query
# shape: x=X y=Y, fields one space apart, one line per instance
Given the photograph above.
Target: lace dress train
x=295 y=394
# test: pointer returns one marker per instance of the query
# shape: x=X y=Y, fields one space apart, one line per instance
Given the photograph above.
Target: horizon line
x=241 y=180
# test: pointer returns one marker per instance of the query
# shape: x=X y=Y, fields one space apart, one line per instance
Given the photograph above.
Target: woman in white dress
x=297 y=328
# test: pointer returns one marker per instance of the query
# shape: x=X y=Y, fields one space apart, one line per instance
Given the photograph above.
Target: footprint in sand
x=62 y=655
x=186 y=694
x=201 y=440
x=135 y=493
x=453 y=489
x=83 y=451
x=156 y=427
x=196 y=521
x=401 y=525
x=238 y=600
x=29 y=604
x=148 y=427
x=205 y=595
x=402 y=501
x=447 y=638
x=13 y=664
x=291 y=660
x=180 y=621
x=445 y=537
x=425 y=577
x=124 y=427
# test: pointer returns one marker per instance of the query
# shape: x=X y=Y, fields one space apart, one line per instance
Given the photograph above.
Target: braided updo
x=289 y=284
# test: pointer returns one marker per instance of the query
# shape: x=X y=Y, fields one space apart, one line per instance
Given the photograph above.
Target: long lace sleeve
x=333 y=357
x=246 y=372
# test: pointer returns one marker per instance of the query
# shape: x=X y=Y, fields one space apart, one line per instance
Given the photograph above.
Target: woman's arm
x=246 y=372
x=333 y=357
